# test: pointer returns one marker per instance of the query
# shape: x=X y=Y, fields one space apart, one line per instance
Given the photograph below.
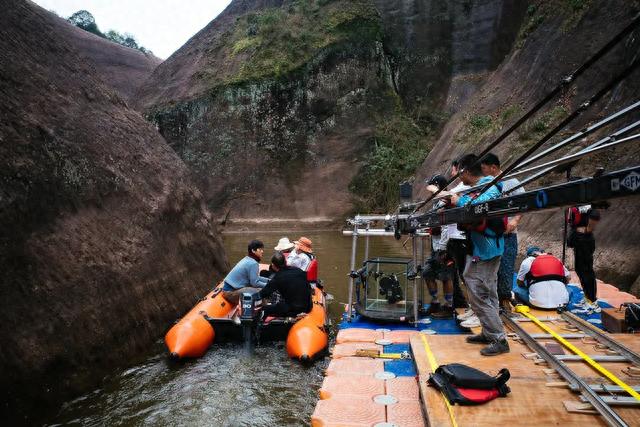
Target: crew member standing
x=439 y=265
x=582 y=221
x=491 y=166
x=456 y=242
x=481 y=270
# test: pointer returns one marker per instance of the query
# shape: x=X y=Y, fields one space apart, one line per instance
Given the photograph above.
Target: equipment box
x=613 y=320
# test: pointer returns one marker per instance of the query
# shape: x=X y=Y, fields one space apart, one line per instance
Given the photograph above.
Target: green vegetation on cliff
x=399 y=147
x=276 y=41
x=572 y=12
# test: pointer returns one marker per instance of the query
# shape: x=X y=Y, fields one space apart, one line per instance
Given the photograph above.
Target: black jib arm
x=592 y=190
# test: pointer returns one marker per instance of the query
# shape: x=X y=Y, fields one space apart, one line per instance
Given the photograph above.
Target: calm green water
x=226 y=387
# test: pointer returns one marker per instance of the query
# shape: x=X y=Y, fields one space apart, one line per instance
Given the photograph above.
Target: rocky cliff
x=274 y=101
x=555 y=38
x=104 y=240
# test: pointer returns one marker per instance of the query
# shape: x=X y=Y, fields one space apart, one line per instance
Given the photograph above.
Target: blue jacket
x=245 y=274
x=484 y=247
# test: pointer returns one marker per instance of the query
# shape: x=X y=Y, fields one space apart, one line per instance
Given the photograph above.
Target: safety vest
x=545 y=267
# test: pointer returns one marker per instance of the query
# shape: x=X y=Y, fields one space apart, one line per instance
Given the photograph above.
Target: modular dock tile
x=348 y=411
x=348 y=349
x=351 y=385
x=403 y=388
x=359 y=366
x=406 y=414
x=358 y=335
x=400 y=336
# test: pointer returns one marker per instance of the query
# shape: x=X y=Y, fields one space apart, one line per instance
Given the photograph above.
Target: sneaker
x=445 y=313
x=496 y=348
x=472 y=322
x=478 y=339
x=583 y=303
x=434 y=307
x=467 y=314
x=594 y=308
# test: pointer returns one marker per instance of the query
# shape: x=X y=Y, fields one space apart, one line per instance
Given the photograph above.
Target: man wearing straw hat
x=302 y=255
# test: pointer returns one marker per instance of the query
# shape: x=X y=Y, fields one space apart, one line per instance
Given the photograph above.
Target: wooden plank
x=530 y=403
x=434 y=407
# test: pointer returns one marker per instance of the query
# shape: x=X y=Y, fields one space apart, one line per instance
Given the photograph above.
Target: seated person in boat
x=542 y=280
x=285 y=246
x=244 y=276
x=292 y=285
x=302 y=255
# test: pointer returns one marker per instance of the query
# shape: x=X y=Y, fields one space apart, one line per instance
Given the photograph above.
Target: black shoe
x=478 y=339
x=446 y=312
x=495 y=348
x=434 y=307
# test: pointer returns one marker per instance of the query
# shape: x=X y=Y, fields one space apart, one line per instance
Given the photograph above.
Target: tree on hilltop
x=85 y=20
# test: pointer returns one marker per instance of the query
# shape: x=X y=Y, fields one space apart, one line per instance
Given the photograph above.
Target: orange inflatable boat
x=194 y=333
x=308 y=336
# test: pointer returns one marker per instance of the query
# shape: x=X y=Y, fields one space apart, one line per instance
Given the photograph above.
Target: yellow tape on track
x=434 y=366
x=604 y=371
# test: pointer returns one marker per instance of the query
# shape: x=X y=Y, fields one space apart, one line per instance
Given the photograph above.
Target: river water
x=226 y=387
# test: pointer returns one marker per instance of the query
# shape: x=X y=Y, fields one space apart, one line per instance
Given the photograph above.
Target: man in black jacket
x=292 y=284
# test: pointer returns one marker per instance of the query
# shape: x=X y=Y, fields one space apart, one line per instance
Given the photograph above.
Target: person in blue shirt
x=481 y=269
x=244 y=276
x=490 y=165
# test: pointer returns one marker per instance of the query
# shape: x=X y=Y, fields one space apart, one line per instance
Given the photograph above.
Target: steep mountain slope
x=556 y=37
x=104 y=240
x=120 y=68
x=275 y=100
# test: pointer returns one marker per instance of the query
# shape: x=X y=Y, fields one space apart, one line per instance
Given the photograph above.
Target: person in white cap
x=285 y=246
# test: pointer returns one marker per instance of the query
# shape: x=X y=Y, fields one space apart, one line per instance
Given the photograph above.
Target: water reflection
x=225 y=387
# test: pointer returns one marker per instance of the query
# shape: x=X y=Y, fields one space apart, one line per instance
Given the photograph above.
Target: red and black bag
x=465 y=385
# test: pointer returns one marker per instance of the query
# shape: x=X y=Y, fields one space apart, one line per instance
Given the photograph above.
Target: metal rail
x=601 y=337
x=575 y=382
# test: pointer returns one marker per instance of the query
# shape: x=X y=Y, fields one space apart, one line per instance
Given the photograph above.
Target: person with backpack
x=481 y=269
x=490 y=164
x=582 y=221
x=542 y=280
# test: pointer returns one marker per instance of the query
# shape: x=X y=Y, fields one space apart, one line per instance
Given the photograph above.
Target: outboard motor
x=250 y=312
x=251 y=305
